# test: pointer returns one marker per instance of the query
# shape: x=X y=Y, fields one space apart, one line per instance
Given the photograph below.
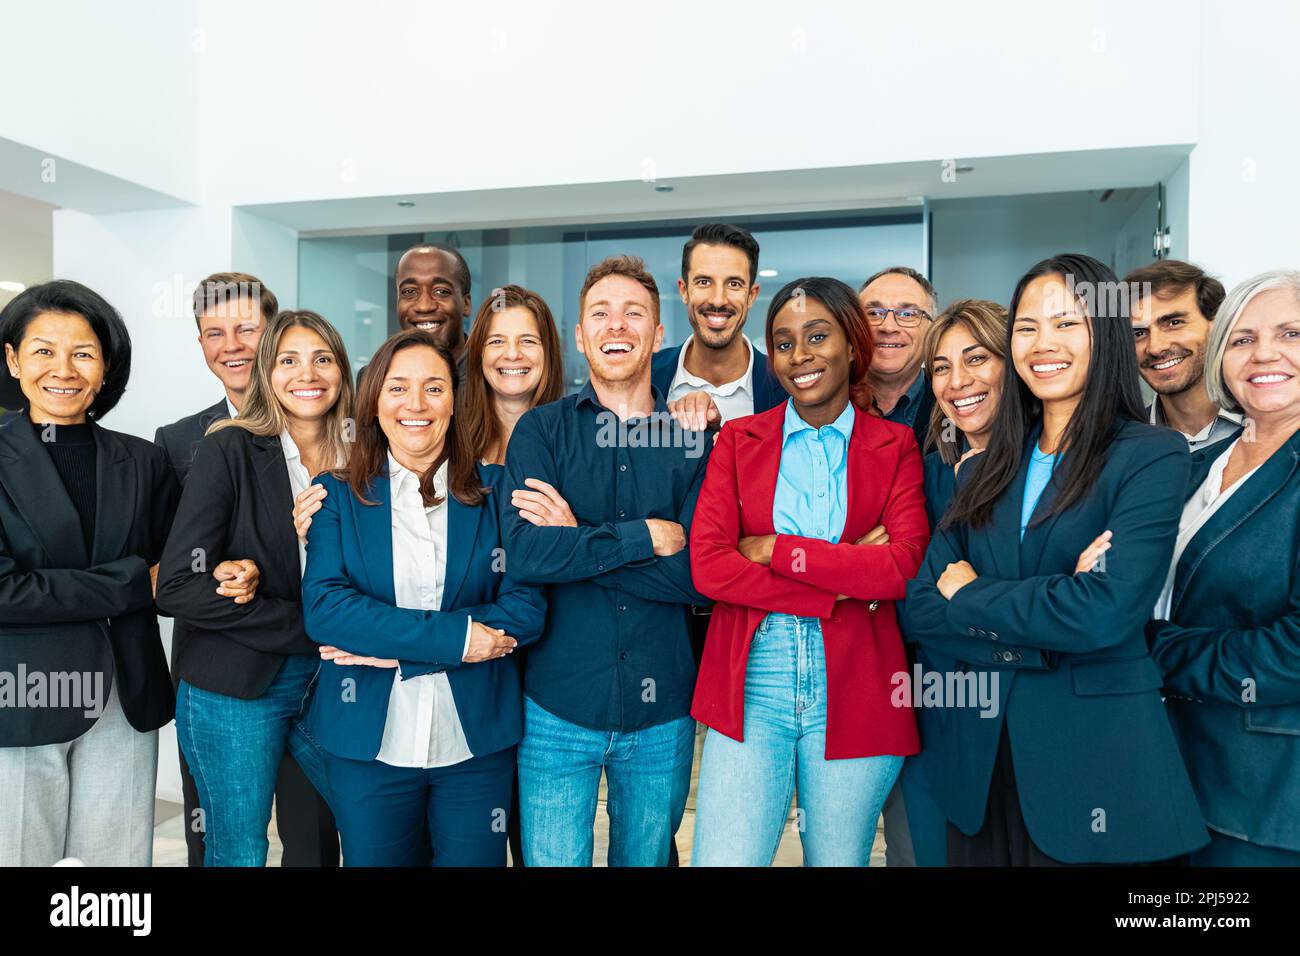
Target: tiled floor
x=169 y=837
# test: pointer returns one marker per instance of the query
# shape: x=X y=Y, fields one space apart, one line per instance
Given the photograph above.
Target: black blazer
x=237 y=504
x=1098 y=771
x=1235 y=627
x=180 y=440
x=64 y=610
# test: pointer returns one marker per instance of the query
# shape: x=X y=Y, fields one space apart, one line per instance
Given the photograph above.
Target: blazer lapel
x=115 y=490
x=375 y=525
x=758 y=461
x=1256 y=492
x=275 y=501
x=1036 y=534
x=462 y=530
x=32 y=481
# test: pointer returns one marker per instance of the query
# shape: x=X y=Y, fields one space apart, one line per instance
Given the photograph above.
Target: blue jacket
x=1235 y=627
x=1098 y=772
x=348 y=601
x=766 y=387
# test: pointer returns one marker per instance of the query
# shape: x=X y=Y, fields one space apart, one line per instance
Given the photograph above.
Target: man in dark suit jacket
x=231 y=310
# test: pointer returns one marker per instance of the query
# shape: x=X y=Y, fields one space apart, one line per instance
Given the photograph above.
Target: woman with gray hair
x=1226 y=632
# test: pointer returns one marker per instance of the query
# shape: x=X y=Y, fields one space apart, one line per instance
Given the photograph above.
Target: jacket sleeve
x=867 y=571
x=718 y=568
x=1079 y=613
x=1219 y=664
x=65 y=595
x=198 y=542
x=923 y=617
x=559 y=555
x=337 y=613
x=667 y=579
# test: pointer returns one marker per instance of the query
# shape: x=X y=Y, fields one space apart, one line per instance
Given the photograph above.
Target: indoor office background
x=971 y=248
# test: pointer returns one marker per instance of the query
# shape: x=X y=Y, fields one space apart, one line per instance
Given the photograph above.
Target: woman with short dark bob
x=1077 y=762
x=84 y=512
x=808 y=525
x=1226 y=633
x=408 y=590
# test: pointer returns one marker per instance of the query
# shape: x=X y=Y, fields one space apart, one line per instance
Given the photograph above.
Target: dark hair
x=1172 y=277
x=64 y=295
x=721 y=234
x=461 y=274
x=222 y=288
x=477 y=413
x=369 y=458
x=1110 y=395
x=844 y=307
x=630 y=267
x=912 y=274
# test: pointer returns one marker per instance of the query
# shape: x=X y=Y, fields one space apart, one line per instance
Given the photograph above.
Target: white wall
x=403 y=97
x=1243 y=202
x=113 y=86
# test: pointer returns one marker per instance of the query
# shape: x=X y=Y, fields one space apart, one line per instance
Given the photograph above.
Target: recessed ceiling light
x=767 y=273
x=405 y=203
x=663 y=188
x=10 y=286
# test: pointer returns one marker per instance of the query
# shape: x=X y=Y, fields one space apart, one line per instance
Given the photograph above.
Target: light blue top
x=1040 y=473
x=812 y=485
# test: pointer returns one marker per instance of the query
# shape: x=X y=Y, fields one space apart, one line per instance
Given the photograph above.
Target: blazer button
x=993 y=635
x=971 y=632
x=873 y=605
x=997 y=657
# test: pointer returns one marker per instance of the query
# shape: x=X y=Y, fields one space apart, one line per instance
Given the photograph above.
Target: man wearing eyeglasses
x=899 y=303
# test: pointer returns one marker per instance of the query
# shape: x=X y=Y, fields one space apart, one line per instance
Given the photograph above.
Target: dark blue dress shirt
x=615 y=654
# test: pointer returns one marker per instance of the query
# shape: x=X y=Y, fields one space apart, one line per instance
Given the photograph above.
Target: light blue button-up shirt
x=813 y=483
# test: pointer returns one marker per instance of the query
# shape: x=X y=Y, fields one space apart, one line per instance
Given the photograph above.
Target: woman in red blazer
x=809 y=524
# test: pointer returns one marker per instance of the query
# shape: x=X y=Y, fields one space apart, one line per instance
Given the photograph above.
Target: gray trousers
x=90 y=798
x=898 y=835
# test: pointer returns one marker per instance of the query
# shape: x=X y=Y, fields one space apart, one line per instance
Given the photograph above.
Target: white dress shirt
x=299 y=480
x=423 y=728
x=1199 y=509
x=734 y=399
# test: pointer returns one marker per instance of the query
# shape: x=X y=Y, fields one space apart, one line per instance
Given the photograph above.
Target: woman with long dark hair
x=406 y=575
x=797 y=674
x=1068 y=757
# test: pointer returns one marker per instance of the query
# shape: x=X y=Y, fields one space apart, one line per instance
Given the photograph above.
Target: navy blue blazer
x=348 y=601
x=1098 y=771
x=766 y=387
x=1234 y=627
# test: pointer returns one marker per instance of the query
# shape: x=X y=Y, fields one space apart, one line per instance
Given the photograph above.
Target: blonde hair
x=262 y=413
x=1228 y=315
x=987 y=323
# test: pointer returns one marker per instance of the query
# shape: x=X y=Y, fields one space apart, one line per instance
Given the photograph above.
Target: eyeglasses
x=908 y=317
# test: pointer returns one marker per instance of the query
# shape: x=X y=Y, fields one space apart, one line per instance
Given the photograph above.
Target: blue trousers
x=234 y=748
x=412 y=816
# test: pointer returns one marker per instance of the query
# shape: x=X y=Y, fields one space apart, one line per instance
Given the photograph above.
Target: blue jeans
x=648 y=772
x=414 y=816
x=234 y=748
x=744 y=791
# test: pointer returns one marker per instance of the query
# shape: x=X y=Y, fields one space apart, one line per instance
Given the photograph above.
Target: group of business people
x=423 y=614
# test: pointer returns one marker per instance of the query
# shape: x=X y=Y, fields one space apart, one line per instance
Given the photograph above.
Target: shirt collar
x=1158 y=418
x=231 y=409
x=725 y=389
x=588 y=396
x=290 y=447
x=908 y=398
x=401 y=476
x=793 y=424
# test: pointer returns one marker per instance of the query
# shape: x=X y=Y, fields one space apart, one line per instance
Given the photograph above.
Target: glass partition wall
x=349 y=279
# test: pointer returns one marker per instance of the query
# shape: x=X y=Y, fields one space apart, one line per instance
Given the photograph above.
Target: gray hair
x=1227 y=317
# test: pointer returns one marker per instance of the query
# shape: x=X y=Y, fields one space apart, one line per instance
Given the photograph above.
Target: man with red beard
x=1173 y=305
x=603 y=487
